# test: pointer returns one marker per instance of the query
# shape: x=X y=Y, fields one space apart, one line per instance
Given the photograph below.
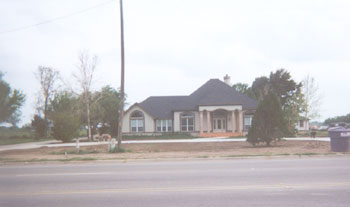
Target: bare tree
x=86 y=67
x=312 y=98
x=48 y=79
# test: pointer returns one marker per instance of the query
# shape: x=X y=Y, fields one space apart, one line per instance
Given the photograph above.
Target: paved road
x=253 y=182
x=55 y=143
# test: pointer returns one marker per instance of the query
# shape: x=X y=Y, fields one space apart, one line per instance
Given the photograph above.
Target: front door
x=219 y=125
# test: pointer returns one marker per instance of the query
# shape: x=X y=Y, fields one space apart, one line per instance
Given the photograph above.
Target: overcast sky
x=175 y=46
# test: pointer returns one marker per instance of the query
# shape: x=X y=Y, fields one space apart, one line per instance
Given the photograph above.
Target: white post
x=77 y=145
x=111 y=145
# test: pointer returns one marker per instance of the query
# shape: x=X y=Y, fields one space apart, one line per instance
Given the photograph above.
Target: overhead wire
x=55 y=19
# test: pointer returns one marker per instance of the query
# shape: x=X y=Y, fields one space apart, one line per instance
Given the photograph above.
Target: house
x=215 y=107
x=303 y=124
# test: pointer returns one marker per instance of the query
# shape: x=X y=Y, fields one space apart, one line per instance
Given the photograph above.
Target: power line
x=55 y=19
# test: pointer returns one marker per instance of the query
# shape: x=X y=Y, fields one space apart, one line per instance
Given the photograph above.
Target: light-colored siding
x=304 y=128
x=177 y=123
x=149 y=121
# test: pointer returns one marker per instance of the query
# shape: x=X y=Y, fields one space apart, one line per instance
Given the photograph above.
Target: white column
x=208 y=121
x=233 y=118
x=201 y=121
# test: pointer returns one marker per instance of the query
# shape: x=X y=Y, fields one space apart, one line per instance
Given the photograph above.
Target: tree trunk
x=88 y=120
x=45 y=115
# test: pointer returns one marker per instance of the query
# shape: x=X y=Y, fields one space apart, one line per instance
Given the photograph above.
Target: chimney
x=227 y=80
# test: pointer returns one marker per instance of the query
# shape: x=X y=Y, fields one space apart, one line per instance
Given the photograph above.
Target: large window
x=137 y=122
x=247 y=122
x=164 y=125
x=187 y=122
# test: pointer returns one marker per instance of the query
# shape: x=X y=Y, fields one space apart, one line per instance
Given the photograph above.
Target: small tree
x=85 y=77
x=66 y=126
x=268 y=122
x=48 y=85
x=64 y=116
x=287 y=91
x=105 y=105
x=312 y=98
x=48 y=79
x=109 y=105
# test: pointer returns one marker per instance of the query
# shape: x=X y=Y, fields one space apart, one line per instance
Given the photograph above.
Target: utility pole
x=121 y=111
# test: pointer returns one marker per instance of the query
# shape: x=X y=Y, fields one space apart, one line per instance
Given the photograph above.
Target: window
x=187 y=122
x=164 y=125
x=301 y=123
x=247 y=122
x=137 y=122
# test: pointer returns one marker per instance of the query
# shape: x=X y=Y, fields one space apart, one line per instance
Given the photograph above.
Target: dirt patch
x=169 y=150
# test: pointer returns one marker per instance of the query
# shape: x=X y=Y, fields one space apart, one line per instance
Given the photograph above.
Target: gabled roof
x=213 y=93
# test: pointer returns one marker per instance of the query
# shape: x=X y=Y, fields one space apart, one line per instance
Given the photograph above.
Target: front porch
x=217 y=121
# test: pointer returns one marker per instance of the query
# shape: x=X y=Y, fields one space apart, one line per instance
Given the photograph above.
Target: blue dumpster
x=340 y=139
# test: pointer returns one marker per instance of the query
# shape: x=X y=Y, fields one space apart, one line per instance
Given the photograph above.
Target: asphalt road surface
x=251 y=182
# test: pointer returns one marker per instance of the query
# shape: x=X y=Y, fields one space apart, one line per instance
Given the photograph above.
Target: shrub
x=40 y=126
x=65 y=116
x=65 y=126
x=268 y=122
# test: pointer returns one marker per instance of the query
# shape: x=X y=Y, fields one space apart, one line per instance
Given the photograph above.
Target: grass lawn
x=17 y=135
x=18 y=140
x=318 y=134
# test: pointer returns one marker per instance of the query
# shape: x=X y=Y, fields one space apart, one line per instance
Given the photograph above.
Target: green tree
x=10 y=103
x=65 y=117
x=288 y=92
x=282 y=84
x=104 y=110
x=244 y=89
x=345 y=118
x=268 y=122
x=260 y=87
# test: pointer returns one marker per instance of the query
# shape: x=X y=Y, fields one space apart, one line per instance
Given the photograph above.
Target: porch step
x=221 y=134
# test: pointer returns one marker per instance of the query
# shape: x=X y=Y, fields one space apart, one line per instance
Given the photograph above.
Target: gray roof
x=161 y=107
x=214 y=92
